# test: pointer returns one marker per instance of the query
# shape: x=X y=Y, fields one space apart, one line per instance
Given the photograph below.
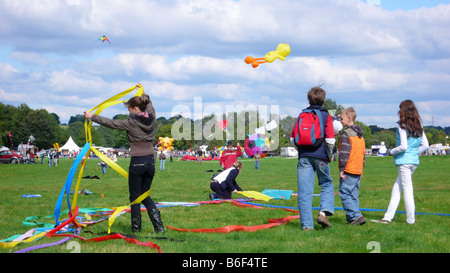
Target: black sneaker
x=212 y=196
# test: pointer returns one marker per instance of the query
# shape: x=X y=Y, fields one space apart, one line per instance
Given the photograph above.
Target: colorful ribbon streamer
x=67 y=185
x=112 y=218
x=232 y=228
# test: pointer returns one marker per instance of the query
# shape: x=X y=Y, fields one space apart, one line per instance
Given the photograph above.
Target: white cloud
x=369 y=56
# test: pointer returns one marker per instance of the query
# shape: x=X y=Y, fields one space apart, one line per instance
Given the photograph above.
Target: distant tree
x=386 y=136
x=107 y=136
x=76 y=118
x=331 y=104
x=58 y=121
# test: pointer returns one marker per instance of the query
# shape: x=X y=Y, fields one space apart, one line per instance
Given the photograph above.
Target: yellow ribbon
x=138 y=200
x=87 y=126
x=14 y=243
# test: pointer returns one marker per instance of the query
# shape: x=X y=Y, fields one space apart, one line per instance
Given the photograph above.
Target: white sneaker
x=382 y=221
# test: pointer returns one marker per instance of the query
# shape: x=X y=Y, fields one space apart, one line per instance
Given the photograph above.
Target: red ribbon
x=114 y=237
x=68 y=221
x=52 y=233
x=228 y=229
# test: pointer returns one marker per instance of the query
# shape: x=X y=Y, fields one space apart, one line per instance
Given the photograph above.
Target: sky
x=371 y=55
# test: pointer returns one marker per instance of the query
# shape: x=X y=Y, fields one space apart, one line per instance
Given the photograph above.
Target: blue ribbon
x=68 y=184
x=340 y=208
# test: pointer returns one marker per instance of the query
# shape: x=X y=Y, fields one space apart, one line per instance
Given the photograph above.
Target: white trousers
x=403 y=183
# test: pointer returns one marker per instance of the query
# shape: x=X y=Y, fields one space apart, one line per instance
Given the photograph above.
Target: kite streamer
x=232 y=228
x=67 y=185
x=60 y=242
x=112 y=218
x=86 y=151
x=98 y=109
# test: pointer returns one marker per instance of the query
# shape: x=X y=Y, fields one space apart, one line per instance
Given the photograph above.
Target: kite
x=256 y=143
x=271 y=125
x=223 y=124
x=56 y=146
x=166 y=144
x=10 y=138
x=31 y=139
x=337 y=125
x=256 y=195
x=103 y=39
x=278 y=194
x=282 y=51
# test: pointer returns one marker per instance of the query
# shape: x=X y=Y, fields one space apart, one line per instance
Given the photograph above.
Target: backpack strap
x=321 y=121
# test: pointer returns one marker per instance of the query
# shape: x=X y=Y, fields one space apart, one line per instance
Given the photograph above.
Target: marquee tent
x=70 y=146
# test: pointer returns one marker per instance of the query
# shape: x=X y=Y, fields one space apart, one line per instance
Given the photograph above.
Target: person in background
x=162 y=161
x=257 y=158
x=224 y=183
x=230 y=155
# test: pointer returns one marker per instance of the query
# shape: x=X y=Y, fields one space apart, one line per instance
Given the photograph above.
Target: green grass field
x=189 y=182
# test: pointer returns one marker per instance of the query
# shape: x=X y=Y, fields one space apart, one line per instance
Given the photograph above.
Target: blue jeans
x=162 y=164
x=349 y=193
x=306 y=168
x=256 y=164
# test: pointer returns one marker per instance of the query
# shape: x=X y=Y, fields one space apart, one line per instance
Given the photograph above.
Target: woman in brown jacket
x=140 y=127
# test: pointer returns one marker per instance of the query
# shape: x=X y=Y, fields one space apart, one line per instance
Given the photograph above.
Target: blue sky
x=372 y=54
x=407 y=4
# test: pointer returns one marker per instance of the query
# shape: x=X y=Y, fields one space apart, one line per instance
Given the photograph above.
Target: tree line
x=22 y=121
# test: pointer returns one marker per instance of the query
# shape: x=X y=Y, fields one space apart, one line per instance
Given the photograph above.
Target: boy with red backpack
x=313 y=136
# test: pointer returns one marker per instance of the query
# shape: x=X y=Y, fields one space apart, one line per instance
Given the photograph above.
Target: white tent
x=70 y=146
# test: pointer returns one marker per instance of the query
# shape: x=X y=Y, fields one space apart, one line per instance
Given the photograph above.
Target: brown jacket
x=140 y=130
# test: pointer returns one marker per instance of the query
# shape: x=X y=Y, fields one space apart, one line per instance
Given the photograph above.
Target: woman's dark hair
x=139 y=101
x=410 y=119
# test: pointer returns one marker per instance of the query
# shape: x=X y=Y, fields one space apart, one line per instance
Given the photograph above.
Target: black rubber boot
x=136 y=224
x=155 y=217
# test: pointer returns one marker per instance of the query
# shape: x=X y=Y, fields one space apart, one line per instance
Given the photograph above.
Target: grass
x=189 y=182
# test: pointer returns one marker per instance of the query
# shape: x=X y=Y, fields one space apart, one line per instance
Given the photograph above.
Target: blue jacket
x=408 y=153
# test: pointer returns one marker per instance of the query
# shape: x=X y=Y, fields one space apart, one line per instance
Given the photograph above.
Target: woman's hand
x=87 y=114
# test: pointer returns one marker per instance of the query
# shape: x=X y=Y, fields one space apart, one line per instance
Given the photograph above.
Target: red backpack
x=309 y=129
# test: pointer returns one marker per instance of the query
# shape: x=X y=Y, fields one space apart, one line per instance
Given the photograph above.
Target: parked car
x=10 y=157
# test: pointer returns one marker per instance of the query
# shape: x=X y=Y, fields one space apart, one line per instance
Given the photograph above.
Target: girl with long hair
x=411 y=141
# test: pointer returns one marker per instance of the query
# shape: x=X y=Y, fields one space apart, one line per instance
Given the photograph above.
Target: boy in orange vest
x=351 y=164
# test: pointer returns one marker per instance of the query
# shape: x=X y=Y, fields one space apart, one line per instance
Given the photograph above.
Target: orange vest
x=355 y=161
